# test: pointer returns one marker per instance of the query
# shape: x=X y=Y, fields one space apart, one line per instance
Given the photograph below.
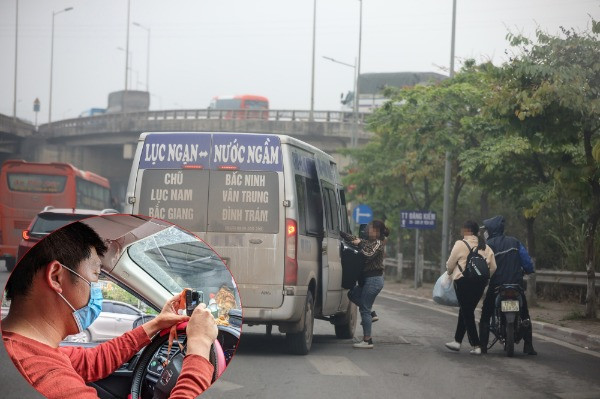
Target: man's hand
x=166 y=318
x=356 y=242
x=201 y=332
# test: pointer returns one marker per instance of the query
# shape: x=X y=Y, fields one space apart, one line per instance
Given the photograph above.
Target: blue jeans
x=364 y=297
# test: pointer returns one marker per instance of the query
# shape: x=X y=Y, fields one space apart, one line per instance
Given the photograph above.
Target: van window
x=344 y=213
x=314 y=208
x=301 y=207
x=327 y=206
x=334 y=224
x=243 y=202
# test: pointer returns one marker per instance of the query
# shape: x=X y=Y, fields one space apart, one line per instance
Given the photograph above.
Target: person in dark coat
x=512 y=260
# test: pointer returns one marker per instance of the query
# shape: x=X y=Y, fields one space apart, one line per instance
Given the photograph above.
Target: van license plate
x=510 y=306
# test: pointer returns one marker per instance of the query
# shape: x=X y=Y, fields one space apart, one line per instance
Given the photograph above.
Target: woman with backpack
x=471 y=263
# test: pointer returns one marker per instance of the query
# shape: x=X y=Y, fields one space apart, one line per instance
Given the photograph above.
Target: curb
x=569 y=335
x=575 y=337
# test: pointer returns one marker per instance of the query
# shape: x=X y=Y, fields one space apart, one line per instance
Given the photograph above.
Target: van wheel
x=346 y=324
x=300 y=342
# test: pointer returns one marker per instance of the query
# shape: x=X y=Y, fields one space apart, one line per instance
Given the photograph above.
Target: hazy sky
x=200 y=48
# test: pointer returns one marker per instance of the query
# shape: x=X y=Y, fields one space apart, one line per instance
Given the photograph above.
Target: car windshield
x=177 y=259
x=48 y=222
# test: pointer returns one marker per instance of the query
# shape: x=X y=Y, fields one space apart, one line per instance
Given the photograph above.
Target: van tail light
x=25 y=235
x=291 y=244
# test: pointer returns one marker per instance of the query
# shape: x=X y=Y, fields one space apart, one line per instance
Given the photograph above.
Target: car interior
x=154 y=260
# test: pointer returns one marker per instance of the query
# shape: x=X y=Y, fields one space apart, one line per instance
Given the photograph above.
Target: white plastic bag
x=443 y=291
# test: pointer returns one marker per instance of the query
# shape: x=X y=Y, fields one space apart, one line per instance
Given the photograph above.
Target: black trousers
x=468 y=294
x=489 y=302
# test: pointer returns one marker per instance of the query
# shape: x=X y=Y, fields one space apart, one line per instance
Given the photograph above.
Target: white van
x=271 y=205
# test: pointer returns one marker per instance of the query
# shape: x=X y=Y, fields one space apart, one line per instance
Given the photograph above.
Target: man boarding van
x=272 y=206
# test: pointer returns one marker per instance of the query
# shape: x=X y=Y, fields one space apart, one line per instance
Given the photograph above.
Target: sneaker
x=528 y=349
x=476 y=351
x=453 y=346
x=374 y=317
x=364 y=344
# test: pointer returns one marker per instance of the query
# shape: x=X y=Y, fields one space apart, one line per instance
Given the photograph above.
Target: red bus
x=27 y=187
x=249 y=106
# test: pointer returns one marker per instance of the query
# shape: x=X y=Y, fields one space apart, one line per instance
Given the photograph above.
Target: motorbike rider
x=512 y=260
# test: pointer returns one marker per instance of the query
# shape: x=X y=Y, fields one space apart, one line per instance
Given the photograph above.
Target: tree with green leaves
x=403 y=165
x=549 y=95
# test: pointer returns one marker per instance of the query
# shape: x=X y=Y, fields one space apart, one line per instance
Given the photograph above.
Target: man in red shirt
x=54 y=294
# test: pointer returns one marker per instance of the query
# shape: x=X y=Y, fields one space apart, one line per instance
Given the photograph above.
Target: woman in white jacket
x=468 y=291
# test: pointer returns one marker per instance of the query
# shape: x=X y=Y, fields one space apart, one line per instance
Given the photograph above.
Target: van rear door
x=226 y=188
x=245 y=214
x=243 y=227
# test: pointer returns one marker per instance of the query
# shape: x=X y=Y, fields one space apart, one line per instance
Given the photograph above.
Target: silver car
x=115 y=319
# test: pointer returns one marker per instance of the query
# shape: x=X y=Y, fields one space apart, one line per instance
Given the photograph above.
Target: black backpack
x=353 y=263
x=477 y=268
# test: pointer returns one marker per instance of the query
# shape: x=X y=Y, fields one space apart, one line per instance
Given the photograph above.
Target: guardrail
x=563 y=277
x=210 y=114
x=541 y=276
x=8 y=124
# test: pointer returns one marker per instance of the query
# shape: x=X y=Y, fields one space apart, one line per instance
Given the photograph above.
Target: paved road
x=408 y=361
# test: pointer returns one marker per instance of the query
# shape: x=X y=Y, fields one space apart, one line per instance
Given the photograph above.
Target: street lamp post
x=54 y=14
x=129 y=62
x=354 y=138
x=312 y=76
x=127 y=45
x=147 y=29
x=355 y=102
x=16 y=54
x=448 y=166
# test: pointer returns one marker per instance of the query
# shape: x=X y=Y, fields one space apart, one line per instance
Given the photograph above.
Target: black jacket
x=512 y=259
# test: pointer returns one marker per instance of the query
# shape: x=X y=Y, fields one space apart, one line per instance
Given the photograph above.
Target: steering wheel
x=149 y=371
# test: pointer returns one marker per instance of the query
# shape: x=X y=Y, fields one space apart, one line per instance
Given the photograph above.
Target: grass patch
x=574 y=315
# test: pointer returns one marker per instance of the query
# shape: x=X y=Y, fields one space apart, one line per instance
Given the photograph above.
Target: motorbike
x=506 y=323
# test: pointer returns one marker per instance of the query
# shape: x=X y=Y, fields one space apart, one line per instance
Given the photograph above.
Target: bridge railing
x=8 y=124
x=220 y=114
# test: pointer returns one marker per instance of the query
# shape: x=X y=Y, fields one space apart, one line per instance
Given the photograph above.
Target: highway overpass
x=105 y=143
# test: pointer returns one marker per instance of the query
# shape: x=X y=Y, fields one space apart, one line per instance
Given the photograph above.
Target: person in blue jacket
x=512 y=260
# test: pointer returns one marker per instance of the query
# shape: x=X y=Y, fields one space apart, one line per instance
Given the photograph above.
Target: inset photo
x=121 y=306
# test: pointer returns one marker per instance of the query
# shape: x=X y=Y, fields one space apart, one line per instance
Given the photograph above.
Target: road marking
x=224 y=386
x=336 y=365
x=578 y=395
x=576 y=348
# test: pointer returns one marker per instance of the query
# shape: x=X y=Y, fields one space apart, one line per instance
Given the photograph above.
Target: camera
x=192 y=299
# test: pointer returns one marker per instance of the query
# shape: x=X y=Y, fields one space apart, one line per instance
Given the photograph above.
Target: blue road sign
x=362 y=214
x=417 y=219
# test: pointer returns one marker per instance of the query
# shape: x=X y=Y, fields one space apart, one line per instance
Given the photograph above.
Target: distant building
x=128 y=101
x=371 y=87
